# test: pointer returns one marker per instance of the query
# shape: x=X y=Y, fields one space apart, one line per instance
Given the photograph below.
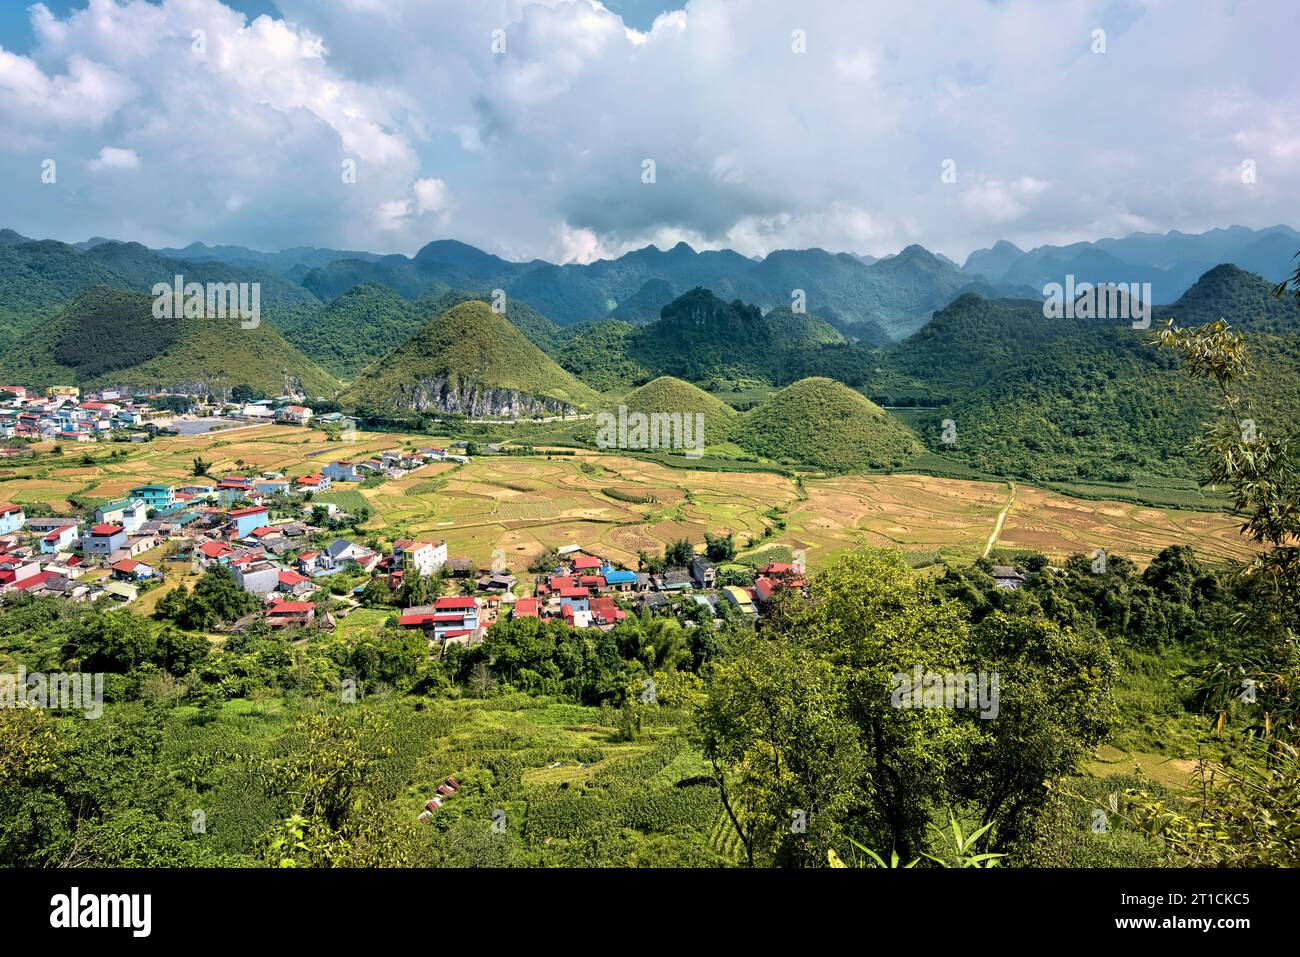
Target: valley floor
x=619 y=505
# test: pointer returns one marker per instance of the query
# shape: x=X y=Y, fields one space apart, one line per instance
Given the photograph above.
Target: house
x=740 y=598
x=460 y=567
x=63 y=392
x=255 y=574
x=282 y=614
x=104 y=539
x=497 y=581
x=575 y=616
x=17 y=391
x=310 y=562
x=422 y=557
x=192 y=492
x=526 y=608
x=121 y=591
x=135 y=544
x=128 y=569
x=1007 y=576
x=343 y=551
x=673 y=579
x=15 y=570
x=213 y=553
x=160 y=497
x=297 y=414
x=271 y=486
x=60 y=539
x=342 y=472
x=704 y=572
x=315 y=482
x=447 y=617
x=247 y=520
x=233 y=488
x=605 y=611
x=294 y=584
x=11 y=517
x=586 y=563
x=618 y=579
x=130 y=513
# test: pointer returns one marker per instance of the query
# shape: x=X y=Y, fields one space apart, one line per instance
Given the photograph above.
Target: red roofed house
x=605 y=611
x=298 y=414
x=59 y=539
x=294 y=584
x=11 y=517
x=585 y=563
x=449 y=617
x=248 y=520
x=213 y=553
x=526 y=608
x=312 y=483
x=285 y=613
x=128 y=569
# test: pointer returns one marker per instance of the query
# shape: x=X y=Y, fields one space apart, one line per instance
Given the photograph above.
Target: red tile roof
x=585 y=561
x=292 y=578
x=250 y=510
x=7 y=507
x=291 y=607
x=107 y=530
x=526 y=608
x=455 y=601
x=125 y=565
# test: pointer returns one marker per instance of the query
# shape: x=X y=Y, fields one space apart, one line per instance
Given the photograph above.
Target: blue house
x=155 y=496
x=11 y=518
x=248 y=520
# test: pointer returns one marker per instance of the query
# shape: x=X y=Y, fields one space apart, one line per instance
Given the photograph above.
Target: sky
x=569 y=130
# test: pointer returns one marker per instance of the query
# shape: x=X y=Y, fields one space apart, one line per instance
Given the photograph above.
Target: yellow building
x=63 y=392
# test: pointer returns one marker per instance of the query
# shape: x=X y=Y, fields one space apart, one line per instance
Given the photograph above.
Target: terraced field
x=619 y=505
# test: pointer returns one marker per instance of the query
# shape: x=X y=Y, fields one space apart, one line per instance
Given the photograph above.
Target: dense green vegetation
x=823 y=423
x=355 y=329
x=468 y=359
x=110 y=337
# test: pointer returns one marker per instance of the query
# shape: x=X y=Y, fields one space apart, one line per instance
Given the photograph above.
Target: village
x=304 y=560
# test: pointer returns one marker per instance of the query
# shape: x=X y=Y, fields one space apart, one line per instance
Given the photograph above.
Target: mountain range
x=790 y=342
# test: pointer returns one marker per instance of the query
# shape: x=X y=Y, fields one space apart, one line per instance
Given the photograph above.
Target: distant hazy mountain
x=286 y=261
x=1172 y=262
x=897 y=294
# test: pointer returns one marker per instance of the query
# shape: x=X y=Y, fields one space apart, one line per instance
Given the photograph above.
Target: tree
x=200 y=466
x=719 y=548
x=679 y=553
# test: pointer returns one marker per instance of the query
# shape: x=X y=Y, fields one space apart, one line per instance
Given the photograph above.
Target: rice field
x=619 y=505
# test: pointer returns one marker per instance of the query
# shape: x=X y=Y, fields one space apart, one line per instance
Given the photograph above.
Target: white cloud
x=537 y=151
x=112 y=158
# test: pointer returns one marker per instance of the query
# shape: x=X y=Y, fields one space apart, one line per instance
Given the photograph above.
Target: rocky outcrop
x=457 y=396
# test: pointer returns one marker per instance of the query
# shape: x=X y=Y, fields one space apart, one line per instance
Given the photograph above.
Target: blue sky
x=527 y=127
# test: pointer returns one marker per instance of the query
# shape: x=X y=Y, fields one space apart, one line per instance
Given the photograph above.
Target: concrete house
x=247 y=520
x=61 y=539
x=422 y=557
x=11 y=517
x=103 y=540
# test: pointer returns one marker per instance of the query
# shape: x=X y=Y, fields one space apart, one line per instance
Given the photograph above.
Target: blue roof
x=615 y=576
